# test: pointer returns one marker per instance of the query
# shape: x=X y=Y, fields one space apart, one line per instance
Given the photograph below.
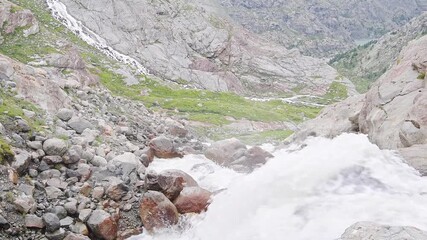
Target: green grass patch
x=13 y=107
x=6 y=154
x=422 y=75
x=204 y=106
x=337 y=91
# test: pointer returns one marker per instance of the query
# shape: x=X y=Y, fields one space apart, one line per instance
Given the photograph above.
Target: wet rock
x=169 y=182
x=369 y=230
x=65 y=114
x=192 y=200
x=79 y=124
x=157 y=211
x=55 y=146
x=51 y=221
x=32 y=221
x=102 y=225
x=226 y=151
x=164 y=147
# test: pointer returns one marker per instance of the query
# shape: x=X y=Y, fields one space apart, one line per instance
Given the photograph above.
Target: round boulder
x=55 y=147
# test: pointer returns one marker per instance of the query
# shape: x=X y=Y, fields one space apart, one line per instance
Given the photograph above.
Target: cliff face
x=365 y=64
x=392 y=113
x=193 y=41
x=321 y=27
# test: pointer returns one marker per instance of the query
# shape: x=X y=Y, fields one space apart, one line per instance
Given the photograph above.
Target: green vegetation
x=422 y=75
x=206 y=106
x=5 y=153
x=347 y=64
x=337 y=91
x=13 y=107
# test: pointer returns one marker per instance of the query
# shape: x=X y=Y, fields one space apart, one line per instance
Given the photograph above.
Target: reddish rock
x=169 y=182
x=157 y=211
x=164 y=147
x=102 y=225
x=192 y=200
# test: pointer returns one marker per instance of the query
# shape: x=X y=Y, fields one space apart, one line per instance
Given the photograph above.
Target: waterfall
x=59 y=11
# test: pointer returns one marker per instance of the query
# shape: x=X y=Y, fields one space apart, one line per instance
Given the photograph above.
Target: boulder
x=192 y=200
x=32 y=221
x=52 y=222
x=79 y=124
x=102 y=225
x=55 y=147
x=226 y=151
x=373 y=231
x=73 y=236
x=25 y=204
x=22 y=160
x=65 y=114
x=164 y=147
x=169 y=182
x=157 y=211
x=126 y=162
x=117 y=190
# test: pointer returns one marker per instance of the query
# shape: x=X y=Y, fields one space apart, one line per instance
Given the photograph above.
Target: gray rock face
x=370 y=231
x=55 y=146
x=320 y=28
x=194 y=41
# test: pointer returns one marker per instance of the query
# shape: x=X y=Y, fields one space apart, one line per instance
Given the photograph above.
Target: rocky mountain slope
x=392 y=113
x=364 y=64
x=194 y=42
x=321 y=27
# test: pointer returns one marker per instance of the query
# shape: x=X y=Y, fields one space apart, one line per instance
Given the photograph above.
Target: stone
x=86 y=189
x=22 y=126
x=98 y=192
x=67 y=221
x=65 y=114
x=85 y=214
x=35 y=145
x=4 y=224
x=52 y=160
x=157 y=211
x=71 y=207
x=28 y=113
x=25 y=204
x=169 y=182
x=98 y=161
x=32 y=221
x=102 y=225
x=79 y=228
x=57 y=183
x=51 y=221
x=117 y=190
x=22 y=161
x=192 y=200
x=79 y=124
x=369 y=230
x=55 y=146
x=164 y=147
x=60 y=211
x=75 y=153
x=73 y=236
x=26 y=189
x=53 y=193
x=226 y=151
x=56 y=235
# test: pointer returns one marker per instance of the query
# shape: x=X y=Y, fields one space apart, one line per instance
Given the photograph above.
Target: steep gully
x=313 y=193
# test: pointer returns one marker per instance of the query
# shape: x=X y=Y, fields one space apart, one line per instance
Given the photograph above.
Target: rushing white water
x=313 y=193
x=59 y=11
x=291 y=100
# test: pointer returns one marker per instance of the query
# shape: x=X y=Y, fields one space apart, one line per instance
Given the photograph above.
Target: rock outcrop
x=392 y=113
x=370 y=231
x=194 y=42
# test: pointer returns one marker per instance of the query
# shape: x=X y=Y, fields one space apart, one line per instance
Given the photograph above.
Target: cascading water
x=313 y=193
x=59 y=11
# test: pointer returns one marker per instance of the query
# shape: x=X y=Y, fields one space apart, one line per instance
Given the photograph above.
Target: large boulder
x=373 y=231
x=126 y=162
x=157 y=211
x=102 y=225
x=164 y=147
x=169 y=182
x=192 y=200
x=55 y=147
x=79 y=124
x=226 y=151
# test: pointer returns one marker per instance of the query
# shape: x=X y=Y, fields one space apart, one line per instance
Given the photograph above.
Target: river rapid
x=312 y=193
